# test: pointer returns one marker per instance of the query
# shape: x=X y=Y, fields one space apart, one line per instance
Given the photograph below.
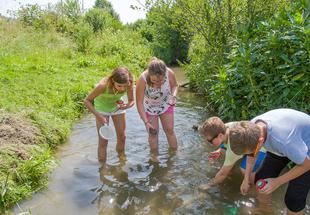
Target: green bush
x=100 y=19
x=270 y=70
x=31 y=15
x=83 y=35
x=124 y=46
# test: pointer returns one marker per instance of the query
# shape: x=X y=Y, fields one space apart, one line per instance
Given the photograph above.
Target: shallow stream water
x=139 y=185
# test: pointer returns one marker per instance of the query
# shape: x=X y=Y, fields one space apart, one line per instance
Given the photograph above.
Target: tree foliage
x=164 y=32
x=107 y=6
x=100 y=19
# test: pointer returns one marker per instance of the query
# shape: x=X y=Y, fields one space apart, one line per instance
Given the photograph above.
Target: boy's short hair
x=244 y=137
x=213 y=126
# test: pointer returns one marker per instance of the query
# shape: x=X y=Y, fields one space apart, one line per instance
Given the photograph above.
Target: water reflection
x=142 y=184
x=136 y=188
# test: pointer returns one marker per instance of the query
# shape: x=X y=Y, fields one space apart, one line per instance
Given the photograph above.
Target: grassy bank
x=43 y=81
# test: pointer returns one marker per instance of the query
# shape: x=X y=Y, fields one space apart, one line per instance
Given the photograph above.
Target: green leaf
x=285 y=58
x=299 y=76
x=283 y=66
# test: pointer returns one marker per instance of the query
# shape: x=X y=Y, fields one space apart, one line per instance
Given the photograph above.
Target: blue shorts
x=258 y=163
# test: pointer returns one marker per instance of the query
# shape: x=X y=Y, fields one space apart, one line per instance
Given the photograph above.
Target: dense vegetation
x=246 y=57
x=49 y=60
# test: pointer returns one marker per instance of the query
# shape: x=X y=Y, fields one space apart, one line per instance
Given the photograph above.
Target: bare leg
x=167 y=121
x=120 y=127
x=102 y=145
x=153 y=138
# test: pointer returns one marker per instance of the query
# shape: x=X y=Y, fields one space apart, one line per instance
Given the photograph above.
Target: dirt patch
x=17 y=131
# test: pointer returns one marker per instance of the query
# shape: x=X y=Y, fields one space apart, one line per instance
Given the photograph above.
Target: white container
x=107 y=132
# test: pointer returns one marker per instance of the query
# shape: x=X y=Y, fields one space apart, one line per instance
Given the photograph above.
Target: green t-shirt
x=230 y=157
x=107 y=102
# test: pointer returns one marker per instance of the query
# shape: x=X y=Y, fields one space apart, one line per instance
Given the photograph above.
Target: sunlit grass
x=44 y=79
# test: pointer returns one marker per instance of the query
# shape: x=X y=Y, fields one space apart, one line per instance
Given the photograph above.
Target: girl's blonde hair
x=155 y=67
x=120 y=75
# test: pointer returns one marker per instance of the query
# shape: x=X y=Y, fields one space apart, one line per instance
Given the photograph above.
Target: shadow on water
x=142 y=184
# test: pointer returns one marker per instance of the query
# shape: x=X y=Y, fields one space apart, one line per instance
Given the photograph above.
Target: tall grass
x=44 y=78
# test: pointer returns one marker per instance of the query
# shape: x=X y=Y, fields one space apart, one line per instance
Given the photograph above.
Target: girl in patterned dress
x=156 y=92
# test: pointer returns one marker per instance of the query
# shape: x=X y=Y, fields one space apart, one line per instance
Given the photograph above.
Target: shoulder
x=171 y=76
x=142 y=79
x=102 y=84
x=143 y=76
x=103 y=81
x=171 y=73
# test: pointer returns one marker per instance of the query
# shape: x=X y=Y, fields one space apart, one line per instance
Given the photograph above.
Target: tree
x=106 y=6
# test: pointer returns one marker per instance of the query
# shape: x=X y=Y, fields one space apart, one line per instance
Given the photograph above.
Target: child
x=285 y=133
x=105 y=101
x=216 y=133
x=156 y=93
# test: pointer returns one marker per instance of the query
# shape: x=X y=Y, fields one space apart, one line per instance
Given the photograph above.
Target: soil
x=15 y=132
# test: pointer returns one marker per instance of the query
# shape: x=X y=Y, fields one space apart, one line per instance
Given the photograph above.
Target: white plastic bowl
x=107 y=132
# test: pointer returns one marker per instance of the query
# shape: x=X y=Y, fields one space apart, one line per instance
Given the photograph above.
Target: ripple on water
x=141 y=183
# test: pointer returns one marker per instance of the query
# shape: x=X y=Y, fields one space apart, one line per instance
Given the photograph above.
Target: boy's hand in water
x=245 y=186
x=204 y=187
x=214 y=156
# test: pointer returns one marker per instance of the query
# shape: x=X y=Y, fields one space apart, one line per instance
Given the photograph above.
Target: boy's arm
x=220 y=176
x=298 y=170
x=245 y=186
x=216 y=154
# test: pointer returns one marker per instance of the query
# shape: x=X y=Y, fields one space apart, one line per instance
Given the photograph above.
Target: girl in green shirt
x=105 y=102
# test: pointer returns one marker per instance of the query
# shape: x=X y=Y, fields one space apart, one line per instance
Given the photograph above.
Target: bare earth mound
x=16 y=132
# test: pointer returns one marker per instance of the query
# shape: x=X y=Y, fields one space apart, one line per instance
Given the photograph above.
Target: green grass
x=44 y=80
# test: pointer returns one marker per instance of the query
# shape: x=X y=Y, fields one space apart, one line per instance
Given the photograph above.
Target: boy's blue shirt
x=288 y=133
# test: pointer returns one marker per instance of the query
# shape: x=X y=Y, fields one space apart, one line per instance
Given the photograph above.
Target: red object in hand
x=260 y=184
x=214 y=155
x=120 y=102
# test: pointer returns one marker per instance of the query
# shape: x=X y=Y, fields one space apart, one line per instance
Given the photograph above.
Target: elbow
x=86 y=102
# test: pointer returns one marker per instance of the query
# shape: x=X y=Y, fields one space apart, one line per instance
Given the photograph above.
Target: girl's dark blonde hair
x=155 y=67
x=120 y=75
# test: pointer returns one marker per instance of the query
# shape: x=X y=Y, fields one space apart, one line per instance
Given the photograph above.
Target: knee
x=169 y=131
x=294 y=201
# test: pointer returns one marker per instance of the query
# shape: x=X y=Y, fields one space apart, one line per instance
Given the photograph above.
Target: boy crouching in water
x=217 y=134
